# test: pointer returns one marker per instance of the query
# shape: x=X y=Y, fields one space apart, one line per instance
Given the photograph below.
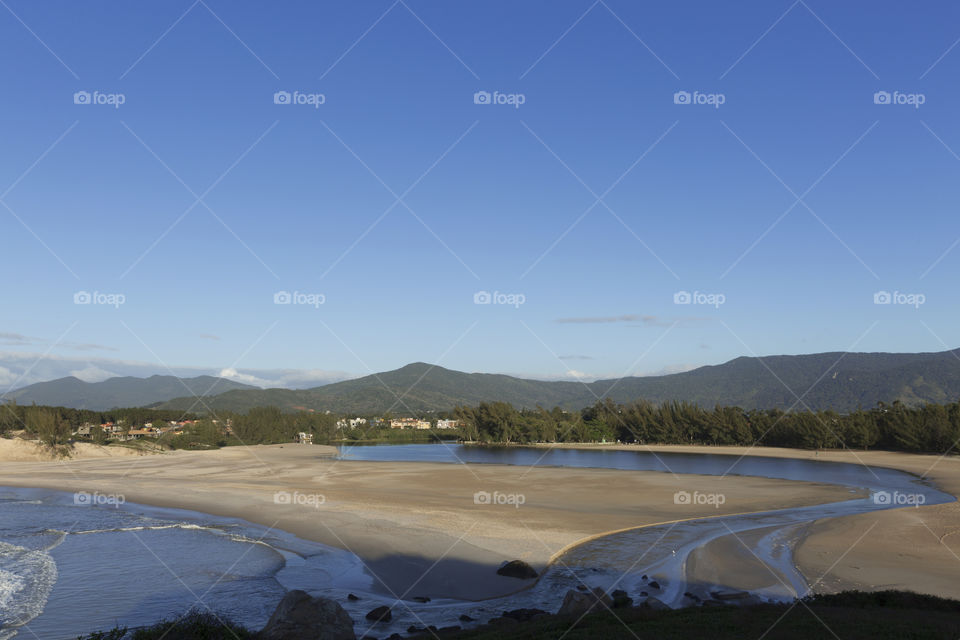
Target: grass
x=852 y=615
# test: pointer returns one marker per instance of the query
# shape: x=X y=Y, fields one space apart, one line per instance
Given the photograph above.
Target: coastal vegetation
x=931 y=428
x=850 y=615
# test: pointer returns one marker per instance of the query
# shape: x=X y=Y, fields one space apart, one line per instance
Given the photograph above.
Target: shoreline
x=413 y=524
x=908 y=548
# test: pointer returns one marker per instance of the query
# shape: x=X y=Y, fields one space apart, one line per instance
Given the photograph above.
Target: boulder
x=517 y=569
x=621 y=600
x=654 y=584
x=352 y=597
x=578 y=604
x=299 y=616
x=421 y=599
x=656 y=604
x=380 y=614
x=522 y=615
x=465 y=618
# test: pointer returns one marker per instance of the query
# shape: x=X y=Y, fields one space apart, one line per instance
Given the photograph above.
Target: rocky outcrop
x=517 y=569
x=299 y=616
x=380 y=614
x=578 y=604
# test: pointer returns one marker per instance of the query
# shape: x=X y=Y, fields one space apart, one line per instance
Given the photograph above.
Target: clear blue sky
x=298 y=198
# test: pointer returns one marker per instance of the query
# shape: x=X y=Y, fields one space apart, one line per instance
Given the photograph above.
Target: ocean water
x=68 y=569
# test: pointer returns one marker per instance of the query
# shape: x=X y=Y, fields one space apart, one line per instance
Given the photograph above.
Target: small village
x=121 y=431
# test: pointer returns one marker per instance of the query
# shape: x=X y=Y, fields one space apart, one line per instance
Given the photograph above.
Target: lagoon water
x=68 y=569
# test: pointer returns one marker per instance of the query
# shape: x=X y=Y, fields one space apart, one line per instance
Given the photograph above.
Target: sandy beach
x=416 y=525
x=912 y=548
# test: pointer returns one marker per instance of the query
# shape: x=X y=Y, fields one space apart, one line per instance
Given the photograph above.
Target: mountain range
x=126 y=391
x=838 y=381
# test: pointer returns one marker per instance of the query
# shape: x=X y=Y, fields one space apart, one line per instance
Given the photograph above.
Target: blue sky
x=398 y=198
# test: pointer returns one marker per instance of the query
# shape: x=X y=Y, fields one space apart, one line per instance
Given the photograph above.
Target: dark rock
x=712 y=603
x=656 y=604
x=415 y=629
x=654 y=584
x=380 y=614
x=644 y=576
x=352 y=597
x=465 y=618
x=517 y=569
x=299 y=616
x=449 y=629
x=523 y=615
x=423 y=599
x=621 y=600
x=581 y=587
x=502 y=622
x=579 y=604
x=644 y=593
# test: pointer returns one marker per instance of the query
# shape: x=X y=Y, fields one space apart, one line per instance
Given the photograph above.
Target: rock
x=502 y=622
x=465 y=618
x=423 y=599
x=656 y=604
x=517 y=569
x=644 y=577
x=450 y=629
x=579 y=604
x=380 y=614
x=352 y=597
x=621 y=600
x=299 y=616
x=581 y=587
x=523 y=615
x=415 y=629
x=654 y=584
x=644 y=593
x=712 y=603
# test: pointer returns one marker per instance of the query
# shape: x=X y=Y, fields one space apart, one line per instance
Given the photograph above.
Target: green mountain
x=837 y=381
x=126 y=391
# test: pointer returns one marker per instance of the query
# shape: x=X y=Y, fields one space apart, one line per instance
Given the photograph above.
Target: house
x=351 y=423
x=304 y=438
x=409 y=423
x=448 y=424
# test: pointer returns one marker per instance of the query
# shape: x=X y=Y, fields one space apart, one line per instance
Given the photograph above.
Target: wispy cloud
x=209 y=336
x=634 y=320
x=575 y=357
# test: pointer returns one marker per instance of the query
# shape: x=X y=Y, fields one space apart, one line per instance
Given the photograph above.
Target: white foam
x=26 y=579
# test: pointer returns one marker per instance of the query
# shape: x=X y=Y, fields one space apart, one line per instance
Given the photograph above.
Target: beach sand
x=912 y=548
x=415 y=525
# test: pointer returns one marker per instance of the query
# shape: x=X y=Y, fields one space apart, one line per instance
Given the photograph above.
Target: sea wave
x=26 y=579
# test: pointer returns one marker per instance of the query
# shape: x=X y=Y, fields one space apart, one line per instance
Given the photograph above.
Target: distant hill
x=837 y=381
x=119 y=392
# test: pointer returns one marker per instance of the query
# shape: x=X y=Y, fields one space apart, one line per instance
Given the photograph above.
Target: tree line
x=933 y=428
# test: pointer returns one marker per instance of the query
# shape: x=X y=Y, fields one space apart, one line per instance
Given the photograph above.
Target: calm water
x=67 y=569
